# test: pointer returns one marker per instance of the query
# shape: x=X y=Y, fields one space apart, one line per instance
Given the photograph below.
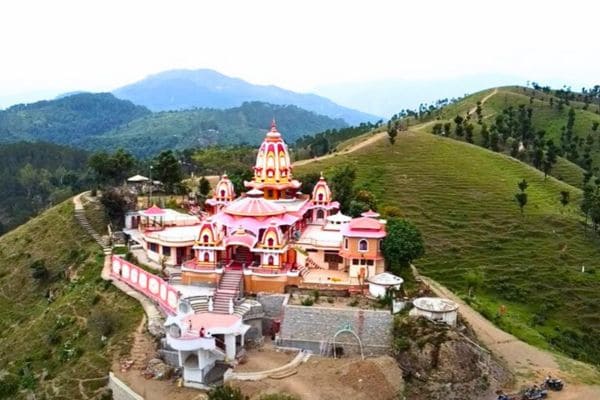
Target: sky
x=51 y=47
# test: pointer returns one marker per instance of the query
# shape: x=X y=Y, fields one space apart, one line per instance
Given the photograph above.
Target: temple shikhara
x=272 y=238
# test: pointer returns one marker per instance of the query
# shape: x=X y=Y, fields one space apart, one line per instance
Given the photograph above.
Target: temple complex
x=273 y=239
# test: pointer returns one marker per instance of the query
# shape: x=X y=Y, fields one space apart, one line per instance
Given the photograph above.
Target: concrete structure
x=435 y=309
x=381 y=283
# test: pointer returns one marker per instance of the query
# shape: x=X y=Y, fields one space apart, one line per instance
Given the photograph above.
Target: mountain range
x=185 y=89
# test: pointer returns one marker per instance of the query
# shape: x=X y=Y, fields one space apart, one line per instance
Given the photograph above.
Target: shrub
x=9 y=385
x=102 y=322
x=39 y=271
x=226 y=393
x=316 y=295
x=308 y=301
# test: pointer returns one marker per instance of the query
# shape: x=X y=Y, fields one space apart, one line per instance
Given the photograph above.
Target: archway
x=347 y=329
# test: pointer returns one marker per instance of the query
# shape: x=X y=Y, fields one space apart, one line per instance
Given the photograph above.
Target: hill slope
x=67 y=119
x=549 y=113
x=461 y=198
x=54 y=308
x=205 y=88
x=204 y=127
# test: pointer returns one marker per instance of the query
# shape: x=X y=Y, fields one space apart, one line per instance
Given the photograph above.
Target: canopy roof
x=138 y=178
x=153 y=211
x=363 y=227
x=339 y=217
x=386 y=279
x=370 y=214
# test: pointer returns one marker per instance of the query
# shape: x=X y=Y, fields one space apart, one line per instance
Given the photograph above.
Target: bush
x=226 y=393
x=308 y=301
x=102 y=322
x=39 y=271
x=316 y=295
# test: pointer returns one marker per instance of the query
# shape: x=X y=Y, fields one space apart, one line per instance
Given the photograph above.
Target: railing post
x=230 y=306
x=210 y=304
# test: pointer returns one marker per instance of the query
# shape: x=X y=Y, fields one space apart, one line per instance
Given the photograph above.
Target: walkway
x=528 y=363
x=83 y=221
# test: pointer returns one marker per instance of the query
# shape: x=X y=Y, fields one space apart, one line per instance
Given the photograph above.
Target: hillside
x=205 y=88
x=54 y=309
x=549 y=113
x=206 y=126
x=461 y=197
x=67 y=119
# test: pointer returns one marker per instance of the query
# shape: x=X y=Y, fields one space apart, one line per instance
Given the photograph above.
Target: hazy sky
x=62 y=45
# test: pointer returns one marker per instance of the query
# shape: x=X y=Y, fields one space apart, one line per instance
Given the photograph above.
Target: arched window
x=363 y=245
x=205 y=238
x=206 y=256
x=270 y=260
x=320 y=214
x=222 y=192
x=320 y=196
x=270 y=242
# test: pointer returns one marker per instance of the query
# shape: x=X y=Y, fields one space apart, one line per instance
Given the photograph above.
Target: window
x=370 y=262
x=166 y=251
x=153 y=247
x=206 y=256
x=320 y=196
x=346 y=243
x=333 y=258
x=363 y=245
x=223 y=193
x=320 y=214
x=270 y=260
x=205 y=238
x=270 y=242
x=355 y=261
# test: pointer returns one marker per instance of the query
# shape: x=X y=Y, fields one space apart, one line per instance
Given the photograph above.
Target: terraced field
x=462 y=198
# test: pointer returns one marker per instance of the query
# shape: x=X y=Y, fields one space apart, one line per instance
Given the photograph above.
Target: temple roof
x=363 y=227
x=252 y=206
x=153 y=211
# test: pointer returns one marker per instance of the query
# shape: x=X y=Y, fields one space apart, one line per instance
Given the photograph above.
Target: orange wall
x=352 y=252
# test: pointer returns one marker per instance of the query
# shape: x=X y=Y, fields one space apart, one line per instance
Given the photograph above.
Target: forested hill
x=179 y=130
x=186 y=89
x=100 y=121
x=34 y=176
x=67 y=119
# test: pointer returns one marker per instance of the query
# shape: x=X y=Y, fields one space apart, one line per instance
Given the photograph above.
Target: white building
x=436 y=309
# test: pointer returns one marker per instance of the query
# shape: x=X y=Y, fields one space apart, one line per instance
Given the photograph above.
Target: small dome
x=272 y=237
x=250 y=206
x=321 y=193
x=224 y=190
x=370 y=214
x=273 y=160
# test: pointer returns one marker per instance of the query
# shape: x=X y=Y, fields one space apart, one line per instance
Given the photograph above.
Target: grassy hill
x=547 y=114
x=54 y=309
x=462 y=199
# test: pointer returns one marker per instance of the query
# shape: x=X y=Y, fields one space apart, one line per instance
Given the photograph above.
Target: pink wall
x=150 y=285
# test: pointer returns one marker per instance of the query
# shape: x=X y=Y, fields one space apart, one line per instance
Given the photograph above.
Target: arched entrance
x=347 y=330
x=239 y=255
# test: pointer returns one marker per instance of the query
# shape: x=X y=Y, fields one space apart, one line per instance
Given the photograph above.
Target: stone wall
x=272 y=305
x=120 y=391
x=313 y=328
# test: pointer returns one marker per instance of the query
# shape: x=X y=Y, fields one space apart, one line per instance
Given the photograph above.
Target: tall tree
x=167 y=170
x=342 y=186
x=402 y=244
x=521 y=196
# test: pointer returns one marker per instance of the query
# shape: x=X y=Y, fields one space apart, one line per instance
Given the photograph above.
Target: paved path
x=528 y=363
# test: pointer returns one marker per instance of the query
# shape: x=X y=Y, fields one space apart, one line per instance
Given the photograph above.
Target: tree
x=447 y=128
x=342 y=186
x=203 y=186
x=402 y=245
x=521 y=196
x=167 y=170
x=393 y=131
x=469 y=133
x=117 y=202
x=226 y=392
x=564 y=198
x=458 y=129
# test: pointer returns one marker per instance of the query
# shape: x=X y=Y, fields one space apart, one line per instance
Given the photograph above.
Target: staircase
x=83 y=221
x=229 y=287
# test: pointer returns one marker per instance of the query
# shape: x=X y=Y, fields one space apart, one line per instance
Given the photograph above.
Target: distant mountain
x=201 y=127
x=67 y=119
x=186 y=89
x=388 y=97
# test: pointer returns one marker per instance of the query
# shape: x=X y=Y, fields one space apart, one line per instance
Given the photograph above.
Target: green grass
x=462 y=199
x=47 y=348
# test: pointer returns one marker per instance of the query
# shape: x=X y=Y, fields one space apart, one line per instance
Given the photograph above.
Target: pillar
x=230 y=349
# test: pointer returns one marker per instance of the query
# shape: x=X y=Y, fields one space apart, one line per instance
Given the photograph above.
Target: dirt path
x=486 y=98
x=528 y=363
x=351 y=149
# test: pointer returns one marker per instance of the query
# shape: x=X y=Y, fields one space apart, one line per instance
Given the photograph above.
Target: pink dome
x=273 y=160
x=224 y=190
x=251 y=206
x=321 y=193
x=364 y=223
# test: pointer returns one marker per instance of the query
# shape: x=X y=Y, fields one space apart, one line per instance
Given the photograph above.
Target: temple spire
x=273 y=125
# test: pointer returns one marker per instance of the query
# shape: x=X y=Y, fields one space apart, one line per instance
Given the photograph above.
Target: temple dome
x=254 y=206
x=273 y=164
x=321 y=193
x=224 y=190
